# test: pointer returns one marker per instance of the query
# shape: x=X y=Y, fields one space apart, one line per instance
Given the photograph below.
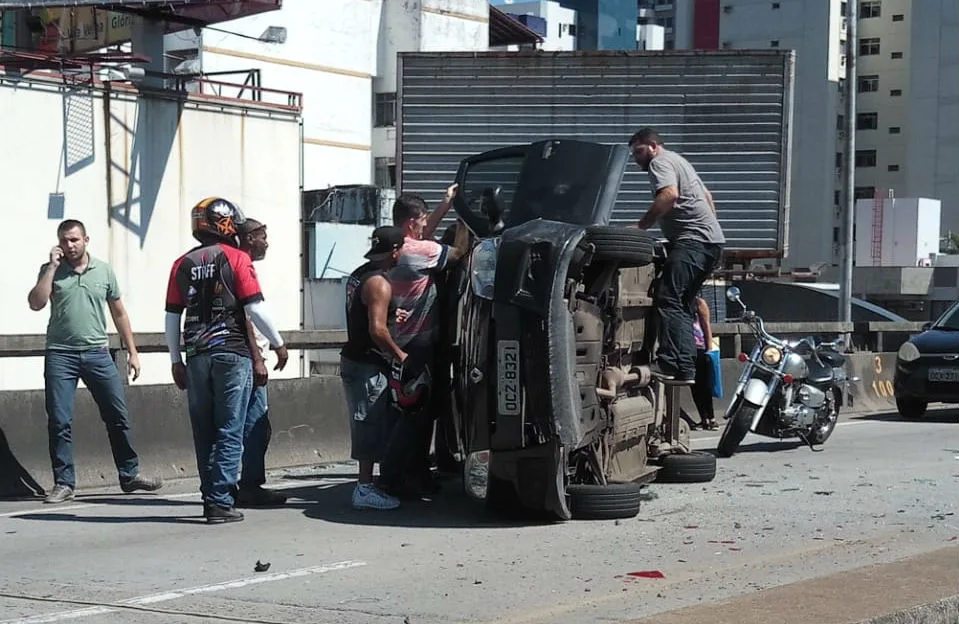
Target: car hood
x=937 y=341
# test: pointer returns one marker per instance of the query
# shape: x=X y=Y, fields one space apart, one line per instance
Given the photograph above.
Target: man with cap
x=257 y=430
x=365 y=361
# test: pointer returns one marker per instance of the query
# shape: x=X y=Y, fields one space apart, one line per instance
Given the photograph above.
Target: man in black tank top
x=365 y=360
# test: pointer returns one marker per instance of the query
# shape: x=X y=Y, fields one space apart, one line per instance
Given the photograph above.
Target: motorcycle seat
x=832 y=358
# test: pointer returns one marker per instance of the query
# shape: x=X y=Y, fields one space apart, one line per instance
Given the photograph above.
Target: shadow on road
x=451 y=508
x=938 y=416
x=69 y=517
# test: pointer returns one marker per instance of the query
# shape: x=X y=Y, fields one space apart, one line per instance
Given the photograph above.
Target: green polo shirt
x=78 y=318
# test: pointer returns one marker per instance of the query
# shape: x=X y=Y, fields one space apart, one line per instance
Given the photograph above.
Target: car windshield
x=949 y=320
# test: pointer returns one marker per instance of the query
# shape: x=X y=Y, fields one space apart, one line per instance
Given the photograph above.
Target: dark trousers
x=687 y=266
x=702 y=390
x=407 y=450
x=61 y=371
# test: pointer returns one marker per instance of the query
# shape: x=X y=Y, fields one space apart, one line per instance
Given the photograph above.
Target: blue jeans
x=256 y=438
x=218 y=388
x=61 y=370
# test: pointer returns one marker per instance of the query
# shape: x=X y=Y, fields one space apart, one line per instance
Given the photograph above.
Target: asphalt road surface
x=880 y=490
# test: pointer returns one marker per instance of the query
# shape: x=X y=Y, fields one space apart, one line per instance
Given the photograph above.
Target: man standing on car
x=216 y=285
x=414 y=293
x=684 y=208
x=257 y=430
x=78 y=286
x=365 y=361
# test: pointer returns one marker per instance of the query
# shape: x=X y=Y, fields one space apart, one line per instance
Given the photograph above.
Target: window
x=775 y=6
x=842 y=9
x=835 y=235
x=894 y=129
x=866 y=158
x=838 y=160
x=836 y=196
x=572 y=30
x=384 y=109
x=869 y=9
x=867 y=84
x=892 y=168
x=840 y=122
x=895 y=92
x=896 y=55
x=867 y=121
x=774 y=43
x=898 y=17
x=864 y=192
x=869 y=46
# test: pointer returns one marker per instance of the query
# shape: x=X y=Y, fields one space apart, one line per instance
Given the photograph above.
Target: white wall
x=650 y=37
x=811 y=28
x=330 y=55
x=933 y=141
x=165 y=158
x=910 y=231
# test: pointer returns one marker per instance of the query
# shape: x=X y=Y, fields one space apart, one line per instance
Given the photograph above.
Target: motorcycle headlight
x=483 y=268
x=772 y=356
x=908 y=352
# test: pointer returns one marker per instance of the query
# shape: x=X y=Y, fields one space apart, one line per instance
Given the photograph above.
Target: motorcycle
x=788 y=388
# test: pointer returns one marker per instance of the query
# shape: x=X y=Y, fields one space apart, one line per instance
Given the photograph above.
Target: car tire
x=613 y=501
x=628 y=247
x=692 y=467
x=913 y=409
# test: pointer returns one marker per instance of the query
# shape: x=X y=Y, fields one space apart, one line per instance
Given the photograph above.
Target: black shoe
x=139 y=483
x=215 y=514
x=669 y=376
x=258 y=496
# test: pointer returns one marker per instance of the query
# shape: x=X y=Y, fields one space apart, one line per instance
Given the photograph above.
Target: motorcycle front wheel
x=736 y=429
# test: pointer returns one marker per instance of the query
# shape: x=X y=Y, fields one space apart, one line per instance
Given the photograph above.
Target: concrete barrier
x=308 y=415
x=310 y=425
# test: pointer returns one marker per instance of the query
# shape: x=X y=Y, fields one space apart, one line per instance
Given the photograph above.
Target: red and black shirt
x=213 y=283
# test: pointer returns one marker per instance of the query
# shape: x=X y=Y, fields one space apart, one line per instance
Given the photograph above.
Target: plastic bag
x=717 y=376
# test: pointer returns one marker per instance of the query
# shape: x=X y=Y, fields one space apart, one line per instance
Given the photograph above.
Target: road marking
x=183 y=593
x=842 y=424
x=58 y=509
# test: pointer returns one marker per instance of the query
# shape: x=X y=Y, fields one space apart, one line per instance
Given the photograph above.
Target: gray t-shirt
x=690 y=218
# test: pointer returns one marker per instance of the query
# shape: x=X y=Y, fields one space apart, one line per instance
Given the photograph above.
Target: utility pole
x=849 y=169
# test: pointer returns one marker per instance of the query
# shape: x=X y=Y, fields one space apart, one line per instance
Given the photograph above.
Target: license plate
x=507 y=365
x=944 y=374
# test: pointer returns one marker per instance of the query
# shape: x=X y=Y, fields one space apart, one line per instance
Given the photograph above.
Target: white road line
x=183 y=593
x=58 y=509
x=842 y=424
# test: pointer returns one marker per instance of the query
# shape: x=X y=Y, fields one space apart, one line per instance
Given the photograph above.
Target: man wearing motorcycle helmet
x=216 y=285
x=365 y=360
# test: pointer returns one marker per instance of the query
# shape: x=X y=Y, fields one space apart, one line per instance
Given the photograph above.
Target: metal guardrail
x=870 y=334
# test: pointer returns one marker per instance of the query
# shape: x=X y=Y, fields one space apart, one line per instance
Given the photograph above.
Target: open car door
x=570 y=181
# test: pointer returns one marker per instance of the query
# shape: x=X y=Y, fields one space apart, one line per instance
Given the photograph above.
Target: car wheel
x=692 y=467
x=613 y=501
x=628 y=247
x=913 y=409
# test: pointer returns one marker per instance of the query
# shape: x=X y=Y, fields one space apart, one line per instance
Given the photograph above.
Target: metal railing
x=868 y=336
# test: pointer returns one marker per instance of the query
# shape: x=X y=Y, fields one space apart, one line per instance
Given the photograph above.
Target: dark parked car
x=548 y=331
x=927 y=366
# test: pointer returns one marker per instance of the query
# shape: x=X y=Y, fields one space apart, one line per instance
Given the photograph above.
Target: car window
x=502 y=172
x=950 y=319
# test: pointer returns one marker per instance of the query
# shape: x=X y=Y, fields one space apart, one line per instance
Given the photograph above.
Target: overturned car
x=548 y=330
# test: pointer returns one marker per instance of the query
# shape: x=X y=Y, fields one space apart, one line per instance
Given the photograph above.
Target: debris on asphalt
x=261 y=567
x=824 y=492
x=649 y=574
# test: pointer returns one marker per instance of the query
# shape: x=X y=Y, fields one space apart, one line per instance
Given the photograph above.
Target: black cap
x=386 y=239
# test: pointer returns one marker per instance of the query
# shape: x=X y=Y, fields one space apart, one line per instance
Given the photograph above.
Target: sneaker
x=59 y=494
x=368 y=496
x=140 y=483
x=668 y=375
x=215 y=514
x=258 y=496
